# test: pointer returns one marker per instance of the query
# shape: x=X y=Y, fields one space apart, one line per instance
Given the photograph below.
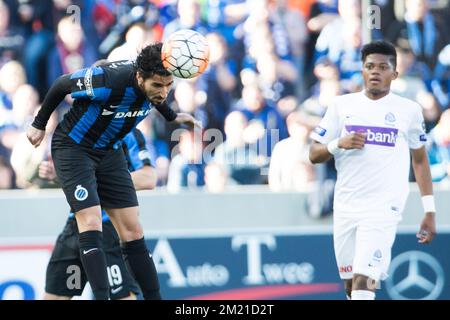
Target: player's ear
x=139 y=78
x=394 y=75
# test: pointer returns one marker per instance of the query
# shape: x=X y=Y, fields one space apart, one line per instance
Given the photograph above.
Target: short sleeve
x=89 y=84
x=416 y=133
x=136 y=150
x=328 y=128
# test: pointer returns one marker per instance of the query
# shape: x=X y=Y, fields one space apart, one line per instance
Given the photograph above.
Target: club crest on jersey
x=320 y=131
x=377 y=254
x=81 y=193
x=377 y=135
x=389 y=118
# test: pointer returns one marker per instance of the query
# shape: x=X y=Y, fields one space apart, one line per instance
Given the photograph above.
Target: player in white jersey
x=371 y=134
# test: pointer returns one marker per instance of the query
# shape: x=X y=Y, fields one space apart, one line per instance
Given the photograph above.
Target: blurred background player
x=370 y=135
x=61 y=283
x=110 y=101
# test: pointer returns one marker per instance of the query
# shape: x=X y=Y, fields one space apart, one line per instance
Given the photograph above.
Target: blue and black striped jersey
x=108 y=105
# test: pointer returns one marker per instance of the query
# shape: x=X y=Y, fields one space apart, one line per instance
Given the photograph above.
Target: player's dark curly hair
x=149 y=63
x=381 y=47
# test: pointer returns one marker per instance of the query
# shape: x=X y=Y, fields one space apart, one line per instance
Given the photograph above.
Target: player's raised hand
x=186 y=118
x=427 y=229
x=354 y=140
x=35 y=136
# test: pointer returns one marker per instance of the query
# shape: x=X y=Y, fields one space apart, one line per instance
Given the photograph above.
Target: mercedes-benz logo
x=424 y=275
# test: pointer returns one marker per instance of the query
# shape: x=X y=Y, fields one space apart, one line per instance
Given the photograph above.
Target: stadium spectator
x=339 y=43
x=421 y=31
x=409 y=84
x=71 y=52
x=441 y=79
x=320 y=13
x=240 y=159
x=187 y=168
x=25 y=159
x=217 y=83
x=12 y=76
x=36 y=18
x=439 y=149
x=25 y=103
x=12 y=40
x=136 y=38
x=216 y=178
x=261 y=115
x=290 y=168
x=188 y=18
x=293 y=23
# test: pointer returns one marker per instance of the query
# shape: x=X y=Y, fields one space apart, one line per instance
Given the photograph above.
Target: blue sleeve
x=89 y=83
x=136 y=150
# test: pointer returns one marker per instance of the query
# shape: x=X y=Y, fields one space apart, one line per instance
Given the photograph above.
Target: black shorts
x=91 y=177
x=65 y=274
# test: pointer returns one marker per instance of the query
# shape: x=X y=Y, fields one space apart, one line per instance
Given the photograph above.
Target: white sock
x=363 y=295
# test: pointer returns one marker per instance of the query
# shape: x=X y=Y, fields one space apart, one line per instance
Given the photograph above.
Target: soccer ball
x=185 y=53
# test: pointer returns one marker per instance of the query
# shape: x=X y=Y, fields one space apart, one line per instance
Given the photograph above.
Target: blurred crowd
x=274 y=67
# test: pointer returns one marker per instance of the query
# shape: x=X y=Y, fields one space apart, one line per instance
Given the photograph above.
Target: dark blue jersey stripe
x=118 y=119
x=85 y=123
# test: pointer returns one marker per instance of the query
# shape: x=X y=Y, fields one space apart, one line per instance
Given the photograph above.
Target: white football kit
x=372 y=183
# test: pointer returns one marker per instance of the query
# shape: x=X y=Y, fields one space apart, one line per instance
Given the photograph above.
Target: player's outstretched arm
x=180 y=118
x=422 y=173
x=57 y=92
x=186 y=118
x=144 y=178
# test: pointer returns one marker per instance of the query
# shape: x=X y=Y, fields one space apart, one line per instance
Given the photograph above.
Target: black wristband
x=38 y=123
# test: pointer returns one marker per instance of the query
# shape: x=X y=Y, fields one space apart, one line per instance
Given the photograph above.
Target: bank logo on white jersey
x=377 y=135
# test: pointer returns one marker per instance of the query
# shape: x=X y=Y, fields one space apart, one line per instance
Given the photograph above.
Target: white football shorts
x=362 y=244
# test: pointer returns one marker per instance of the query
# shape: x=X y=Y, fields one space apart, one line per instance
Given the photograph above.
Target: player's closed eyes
x=159 y=85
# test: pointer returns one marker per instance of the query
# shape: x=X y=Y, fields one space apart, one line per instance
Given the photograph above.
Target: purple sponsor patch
x=377 y=135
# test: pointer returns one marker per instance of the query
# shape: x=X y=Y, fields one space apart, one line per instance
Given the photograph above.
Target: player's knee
x=132 y=233
x=89 y=221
